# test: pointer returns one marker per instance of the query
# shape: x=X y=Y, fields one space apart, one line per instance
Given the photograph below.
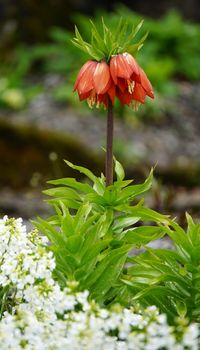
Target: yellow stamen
x=98 y=104
x=92 y=99
x=135 y=105
x=131 y=85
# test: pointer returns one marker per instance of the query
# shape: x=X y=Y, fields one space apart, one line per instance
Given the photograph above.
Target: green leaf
x=157 y=290
x=144 y=213
x=97 y=183
x=68 y=261
x=121 y=29
x=121 y=33
x=170 y=256
x=92 y=252
x=130 y=192
x=122 y=184
x=119 y=171
x=105 y=28
x=78 y=41
x=89 y=224
x=107 y=273
x=85 y=49
x=132 y=49
x=124 y=222
x=94 y=233
x=134 y=31
x=82 y=215
x=139 y=271
x=67 y=222
x=74 y=244
x=144 y=234
x=97 y=36
x=89 y=262
x=193 y=235
x=70 y=182
x=111 y=259
x=63 y=192
x=81 y=44
x=78 y=36
x=196 y=314
x=179 y=237
x=108 y=278
x=110 y=196
x=69 y=203
x=54 y=236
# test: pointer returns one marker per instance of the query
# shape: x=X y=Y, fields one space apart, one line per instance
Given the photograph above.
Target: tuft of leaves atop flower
x=105 y=43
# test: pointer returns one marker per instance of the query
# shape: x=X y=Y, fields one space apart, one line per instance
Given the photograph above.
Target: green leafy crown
x=105 y=43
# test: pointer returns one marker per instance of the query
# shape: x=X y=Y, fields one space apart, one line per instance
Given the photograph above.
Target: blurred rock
x=26 y=204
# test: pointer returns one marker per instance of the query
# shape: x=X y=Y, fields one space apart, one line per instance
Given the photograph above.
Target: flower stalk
x=109 y=146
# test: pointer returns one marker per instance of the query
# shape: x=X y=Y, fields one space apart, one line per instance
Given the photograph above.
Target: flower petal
x=102 y=78
x=122 y=84
x=139 y=93
x=102 y=98
x=84 y=81
x=146 y=84
x=130 y=60
x=114 y=69
x=84 y=96
x=124 y=97
x=112 y=93
x=124 y=69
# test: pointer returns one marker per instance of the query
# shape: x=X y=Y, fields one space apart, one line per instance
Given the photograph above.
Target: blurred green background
x=42 y=121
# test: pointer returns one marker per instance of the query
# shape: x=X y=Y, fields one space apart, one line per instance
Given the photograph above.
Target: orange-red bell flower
x=146 y=85
x=124 y=71
x=123 y=77
x=132 y=84
x=94 y=83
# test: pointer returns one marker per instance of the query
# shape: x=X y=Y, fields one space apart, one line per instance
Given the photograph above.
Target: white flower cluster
x=44 y=317
x=24 y=258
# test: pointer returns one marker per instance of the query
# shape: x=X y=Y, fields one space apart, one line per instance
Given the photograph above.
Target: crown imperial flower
x=113 y=72
x=132 y=84
x=133 y=91
x=94 y=83
x=124 y=66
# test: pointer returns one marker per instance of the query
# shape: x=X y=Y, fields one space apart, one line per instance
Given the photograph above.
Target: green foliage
x=167 y=278
x=93 y=230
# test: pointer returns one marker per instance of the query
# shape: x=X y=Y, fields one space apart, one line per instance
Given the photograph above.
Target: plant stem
x=109 y=147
